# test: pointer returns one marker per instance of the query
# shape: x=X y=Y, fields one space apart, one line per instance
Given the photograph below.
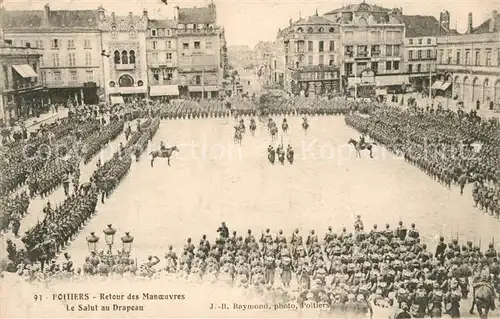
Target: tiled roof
x=356 y=7
x=26 y=19
x=313 y=20
x=159 y=24
x=421 y=26
x=197 y=15
x=485 y=26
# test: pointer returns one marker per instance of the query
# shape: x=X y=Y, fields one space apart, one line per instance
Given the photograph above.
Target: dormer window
x=331 y=30
x=310 y=30
x=321 y=30
x=300 y=30
x=114 y=32
x=153 y=32
x=132 y=34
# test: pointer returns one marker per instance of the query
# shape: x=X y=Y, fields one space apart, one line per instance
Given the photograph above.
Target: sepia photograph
x=249 y=159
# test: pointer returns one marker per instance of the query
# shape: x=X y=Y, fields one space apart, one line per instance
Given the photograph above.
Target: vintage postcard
x=249 y=159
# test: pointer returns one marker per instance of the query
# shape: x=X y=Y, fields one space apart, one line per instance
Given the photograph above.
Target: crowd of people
x=451 y=147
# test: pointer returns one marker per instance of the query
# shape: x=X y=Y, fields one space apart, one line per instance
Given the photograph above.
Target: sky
x=249 y=21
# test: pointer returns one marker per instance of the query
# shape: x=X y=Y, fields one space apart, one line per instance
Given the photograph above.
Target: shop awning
x=117 y=100
x=128 y=90
x=391 y=80
x=380 y=91
x=206 y=88
x=437 y=85
x=25 y=71
x=445 y=85
x=161 y=90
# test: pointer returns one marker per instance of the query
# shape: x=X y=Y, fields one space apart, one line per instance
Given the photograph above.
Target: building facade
x=372 y=41
x=21 y=91
x=308 y=50
x=240 y=56
x=199 y=43
x=470 y=62
x=163 y=77
x=124 y=56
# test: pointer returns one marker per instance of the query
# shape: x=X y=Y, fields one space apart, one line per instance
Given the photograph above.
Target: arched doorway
x=476 y=90
x=457 y=87
x=125 y=81
x=467 y=90
x=497 y=91
x=487 y=91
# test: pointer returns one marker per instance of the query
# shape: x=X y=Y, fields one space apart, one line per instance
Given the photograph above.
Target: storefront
x=207 y=91
x=160 y=92
x=128 y=94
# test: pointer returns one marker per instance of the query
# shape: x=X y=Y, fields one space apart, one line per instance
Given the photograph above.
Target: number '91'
x=37 y=298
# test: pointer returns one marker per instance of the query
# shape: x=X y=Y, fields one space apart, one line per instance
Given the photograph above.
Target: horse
x=274 y=132
x=253 y=127
x=271 y=156
x=361 y=146
x=238 y=136
x=483 y=297
x=281 y=156
x=305 y=126
x=167 y=153
x=289 y=156
x=284 y=127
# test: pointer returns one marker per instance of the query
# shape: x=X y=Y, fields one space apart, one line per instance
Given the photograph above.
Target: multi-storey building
x=199 y=42
x=420 y=48
x=70 y=40
x=124 y=55
x=309 y=51
x=372 y=40
x=20 y=88
x=471 y=62
x=161 y=49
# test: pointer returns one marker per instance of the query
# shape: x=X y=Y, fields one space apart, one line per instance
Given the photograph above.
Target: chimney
x=290 y=22
x=493 y=21
x=46 y=13
x=176 y=13
x=469 y=24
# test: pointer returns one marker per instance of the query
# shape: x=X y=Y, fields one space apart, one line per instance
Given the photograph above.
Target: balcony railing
x=181 y=32
x=123 y=67
x=18 y=85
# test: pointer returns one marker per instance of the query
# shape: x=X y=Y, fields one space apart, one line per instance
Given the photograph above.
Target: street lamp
x=92 y=242
x=127 y=241
x=109 y=234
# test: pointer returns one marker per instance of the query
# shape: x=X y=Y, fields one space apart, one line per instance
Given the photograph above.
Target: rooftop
x=162 y=24
x=197 y=15
x=485 y=26
x=360 y=7
x=313 y=20
x=34 y=19
x=421 y=26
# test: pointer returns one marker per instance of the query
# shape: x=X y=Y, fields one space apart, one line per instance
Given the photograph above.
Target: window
x=39 y=44
x=71 y=59
x=429 y=41
x=332 y=60
x=88 y=58
x=375 y=51
x=89 y=75
x=309 y=46
x=374 y=67
x=410 y=41
x=131 y=57
x=332 y=46
x=321 y=30
x=167 y=75
x=396 y=50
x=488 y=57
x=419 y=68
x=57 y=76
x=156 y=76
x=132 y=34
x=477 y=60
x=428 y=53
x=419 y=41
x=198 y=79
x=321 y=60
x=388 y=50
x=410 y=68
x=117 y=57
x=73 y=76
x=459 y=58
x=169 y=44
x=331 y=30
x=87 y=44
x=185 y=46
x=348 y=68
x=124 y=57
x=395 y=65
x=55 y=44
x=208 y=44
x=321 y=48
x=310 y=30
x=169 y=57
x=419 y=54
x=349 y=50
x=410 y=55
x=362 y=50
x=441 y=56
x=153 y=45
x=167 y=32
x=310 y=60
x=388 y=65
x=197 y=45
x=153 y=32
x=55 y=59
x=71 y=44
x=155 y=57
x=42 y=63
x=114 y=32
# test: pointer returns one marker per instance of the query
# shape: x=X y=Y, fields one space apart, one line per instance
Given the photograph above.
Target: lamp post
x=109 y=234
x=127 y=241
x=92 y=242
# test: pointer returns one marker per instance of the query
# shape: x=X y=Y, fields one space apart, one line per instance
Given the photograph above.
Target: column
x=81 y=95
